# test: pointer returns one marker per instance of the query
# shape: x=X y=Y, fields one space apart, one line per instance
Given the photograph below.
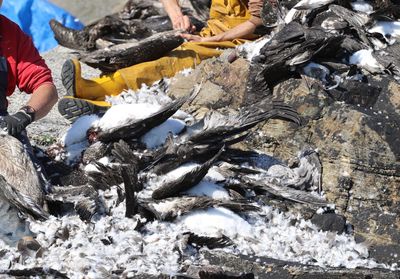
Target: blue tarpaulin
x=33 y=17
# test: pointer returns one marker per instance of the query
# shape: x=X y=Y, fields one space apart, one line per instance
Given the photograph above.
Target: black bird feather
x=22 y=202
x=185 y=182
x=170 y=208
x=85 y=199
x=207 y=241
x=215 y=127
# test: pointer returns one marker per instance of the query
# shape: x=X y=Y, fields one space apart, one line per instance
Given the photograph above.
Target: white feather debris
x=112 y=243
x=252 y=49
x=77 y=132
x=364 y=59
x=362 y=6
x=330 y=25
x=186 y=72
x=389 y=29
x=209 y=189
x=154 y=94
x=157 y=136
x=166 y=205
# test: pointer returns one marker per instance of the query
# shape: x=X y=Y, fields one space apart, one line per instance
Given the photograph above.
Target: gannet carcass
x=21 y=190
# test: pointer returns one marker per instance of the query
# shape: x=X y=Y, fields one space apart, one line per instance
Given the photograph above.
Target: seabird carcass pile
x=336 y=45
x=152 y=205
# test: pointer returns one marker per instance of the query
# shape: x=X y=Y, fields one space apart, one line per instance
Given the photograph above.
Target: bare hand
x=183 y=23
x=192 y=38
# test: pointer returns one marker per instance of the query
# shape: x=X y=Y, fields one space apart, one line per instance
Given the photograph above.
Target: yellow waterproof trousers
x=185 y=56
x=224 y=15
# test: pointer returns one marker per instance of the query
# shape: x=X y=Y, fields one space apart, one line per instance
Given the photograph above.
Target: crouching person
x=231 y=22
x=21 y=66
x=21 y=184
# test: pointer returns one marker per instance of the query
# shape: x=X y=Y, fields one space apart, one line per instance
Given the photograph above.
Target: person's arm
x=33 y=77
x=43 y=99
x=178 y=19
x=240 y=31
x=39 y=105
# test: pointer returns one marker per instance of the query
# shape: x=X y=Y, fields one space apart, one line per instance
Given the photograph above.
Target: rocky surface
x=357 y=140
x=270 y=268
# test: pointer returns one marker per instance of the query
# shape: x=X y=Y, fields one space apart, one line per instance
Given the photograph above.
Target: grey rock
x=330 y=222
x=271 y=268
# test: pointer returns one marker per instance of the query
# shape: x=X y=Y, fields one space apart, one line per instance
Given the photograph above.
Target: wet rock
x=359 y=150
x=271 y=268
x=222 y=84
x=224 y=275
x=356 y=92
x=330 y=222
x=308 y=99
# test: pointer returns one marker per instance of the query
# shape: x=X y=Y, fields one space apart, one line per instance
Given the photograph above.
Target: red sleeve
x=32 y=71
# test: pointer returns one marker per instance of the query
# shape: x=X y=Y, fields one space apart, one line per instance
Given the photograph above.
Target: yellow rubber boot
x=94 y=89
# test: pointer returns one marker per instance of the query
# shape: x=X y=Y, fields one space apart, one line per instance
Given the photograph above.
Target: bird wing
x=137 y=128
x=207 y=241
x=218 y=127
x=18 y=170
x=22 y=202
x=356 y=20
x=287 y=193
x=185 y=182
x=84 y=198
x=132 y=53
x=170 y=208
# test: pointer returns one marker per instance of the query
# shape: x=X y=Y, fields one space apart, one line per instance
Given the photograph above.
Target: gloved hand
x=16 y=123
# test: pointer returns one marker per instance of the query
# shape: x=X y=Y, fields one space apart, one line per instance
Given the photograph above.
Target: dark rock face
x=360 y=157
x=357 y=139
x=270 y=268
x=224 y=84
x=330 y=222
x=221 y=79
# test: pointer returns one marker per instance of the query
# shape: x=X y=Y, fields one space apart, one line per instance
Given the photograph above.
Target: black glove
x=16 y=123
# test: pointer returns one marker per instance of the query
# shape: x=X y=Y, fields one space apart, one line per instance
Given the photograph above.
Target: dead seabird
x=170 y=208
x=173 y=186
x=21 y=190
x=131 y=126
x=132 y=53
x=20 y=175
